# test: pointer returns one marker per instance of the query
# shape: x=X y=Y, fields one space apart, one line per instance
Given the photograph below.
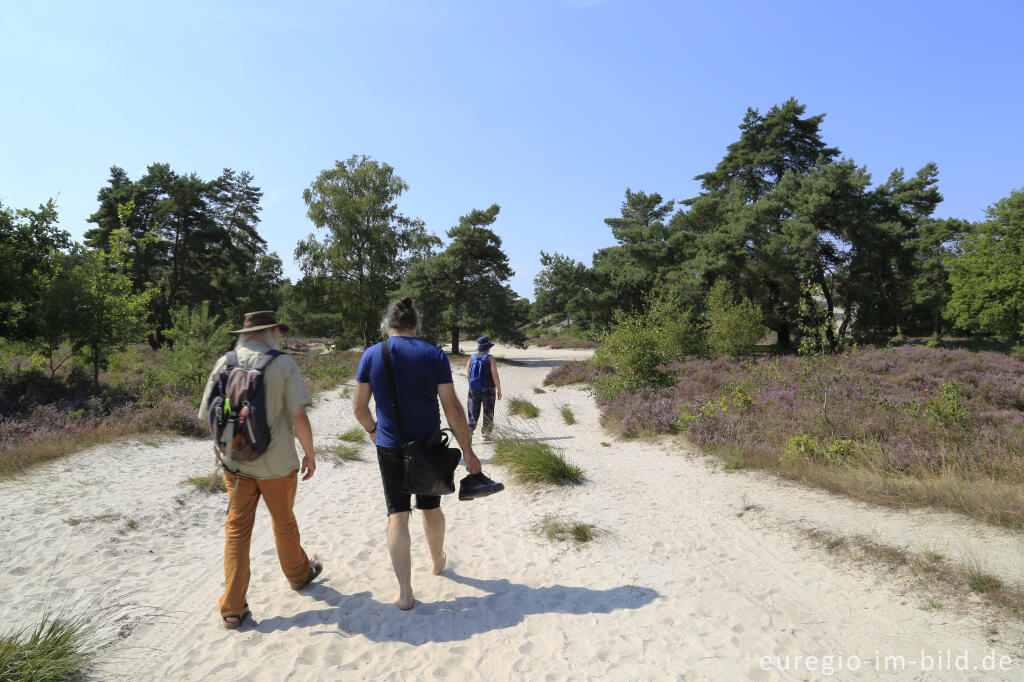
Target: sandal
x=241 y=619
x=316 y=567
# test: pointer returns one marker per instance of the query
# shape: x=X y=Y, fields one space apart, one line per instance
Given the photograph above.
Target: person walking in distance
x=422 y=375
x=484 y=386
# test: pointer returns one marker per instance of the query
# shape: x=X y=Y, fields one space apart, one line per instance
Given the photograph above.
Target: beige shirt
x=284 y=389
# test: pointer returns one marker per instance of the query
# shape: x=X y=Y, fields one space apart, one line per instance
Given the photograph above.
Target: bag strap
x=232 y=360
x=385 y=351
x=266 y=359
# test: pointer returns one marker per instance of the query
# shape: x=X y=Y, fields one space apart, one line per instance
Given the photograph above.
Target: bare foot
x=438 y=568
x=404 y=604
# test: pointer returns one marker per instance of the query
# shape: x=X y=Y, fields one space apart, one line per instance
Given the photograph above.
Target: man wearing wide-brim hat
x=272 y=475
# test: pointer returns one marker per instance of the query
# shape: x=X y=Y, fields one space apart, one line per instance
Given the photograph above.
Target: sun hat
x=259 y=320
x=483 y=343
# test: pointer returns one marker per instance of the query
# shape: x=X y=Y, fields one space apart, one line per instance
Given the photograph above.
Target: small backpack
x=478 y=369
x=237 y=411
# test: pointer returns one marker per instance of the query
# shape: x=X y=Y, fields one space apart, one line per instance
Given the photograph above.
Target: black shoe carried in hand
x=478 y=485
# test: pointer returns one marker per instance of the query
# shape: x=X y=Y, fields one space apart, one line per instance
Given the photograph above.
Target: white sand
x=680 y=587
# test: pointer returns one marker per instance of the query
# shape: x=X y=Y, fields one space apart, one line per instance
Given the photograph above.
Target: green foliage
x=463 y=288
x=106 y=313
x=733 y=328
x=31 y=247
x=189 y=240
x=519 y=407
x=531 y=461
x=638 y=345
x=947 y=406
x=801 y=447
x=558 y=286
x=198 y=339
x=987 y=278
x=366 y=250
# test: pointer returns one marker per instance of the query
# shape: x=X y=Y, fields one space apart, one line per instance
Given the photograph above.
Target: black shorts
x=391 y=474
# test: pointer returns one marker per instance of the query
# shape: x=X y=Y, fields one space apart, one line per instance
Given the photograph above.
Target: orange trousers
x=279 y=496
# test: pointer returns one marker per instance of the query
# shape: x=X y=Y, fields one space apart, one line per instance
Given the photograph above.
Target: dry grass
x=930 y=569
x=990 y=500
x=562 y=530
x=212 y=484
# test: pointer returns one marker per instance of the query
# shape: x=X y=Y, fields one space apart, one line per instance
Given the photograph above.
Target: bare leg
x=433 y=527
x=398 y=546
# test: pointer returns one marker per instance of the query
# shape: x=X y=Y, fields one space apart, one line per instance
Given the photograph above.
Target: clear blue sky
x=550 y=109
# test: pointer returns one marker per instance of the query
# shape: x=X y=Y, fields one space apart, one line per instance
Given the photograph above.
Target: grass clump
x=343 y=451
x=567 y=416
x=92 y=519
x=353 y=435
x=538 y=390
x=59 y=648
x=531 y=461
x=520 y=407
x=212 y=484
x=561 y=530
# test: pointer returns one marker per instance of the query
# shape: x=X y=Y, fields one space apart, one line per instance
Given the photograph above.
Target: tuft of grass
x=567 y=416
x=982 y=583
x=538 y=389
x=92 y=519
x=212 y=484
x=60 y=647
x=930 y=604
x=605 y=445
x=353 y=435
x=531 y=461
x=561 y=530
x=343 y=451
x=520 y=407
x=129 y=526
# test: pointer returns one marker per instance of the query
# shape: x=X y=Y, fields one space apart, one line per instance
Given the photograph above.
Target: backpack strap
x=232 y=359
x=266 y=359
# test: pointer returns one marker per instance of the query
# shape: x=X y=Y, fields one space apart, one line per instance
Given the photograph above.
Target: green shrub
x=343 y=451
x=733 y=327
x=522 y=408
x=947 y=407
x=801 y=447
x=531 y=461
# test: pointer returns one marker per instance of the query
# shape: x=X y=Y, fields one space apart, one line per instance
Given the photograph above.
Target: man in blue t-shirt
x=422 y=375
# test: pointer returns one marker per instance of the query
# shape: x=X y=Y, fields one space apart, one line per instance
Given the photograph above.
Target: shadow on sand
x=504 y=605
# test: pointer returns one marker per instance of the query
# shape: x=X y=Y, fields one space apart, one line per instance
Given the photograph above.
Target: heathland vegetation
x=771 y=319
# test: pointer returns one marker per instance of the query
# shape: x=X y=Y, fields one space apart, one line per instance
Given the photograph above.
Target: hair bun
x=406 y=302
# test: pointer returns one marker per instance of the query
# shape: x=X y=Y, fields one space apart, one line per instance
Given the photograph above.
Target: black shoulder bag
x=429 y=468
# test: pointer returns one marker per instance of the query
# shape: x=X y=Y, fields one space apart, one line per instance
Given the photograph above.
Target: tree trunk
x=455 y=340
x=784 y=342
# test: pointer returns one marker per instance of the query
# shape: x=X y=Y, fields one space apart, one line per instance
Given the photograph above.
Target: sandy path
x=680 y=587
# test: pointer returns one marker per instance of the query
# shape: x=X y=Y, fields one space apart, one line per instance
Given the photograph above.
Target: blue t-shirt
x=419 y=367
